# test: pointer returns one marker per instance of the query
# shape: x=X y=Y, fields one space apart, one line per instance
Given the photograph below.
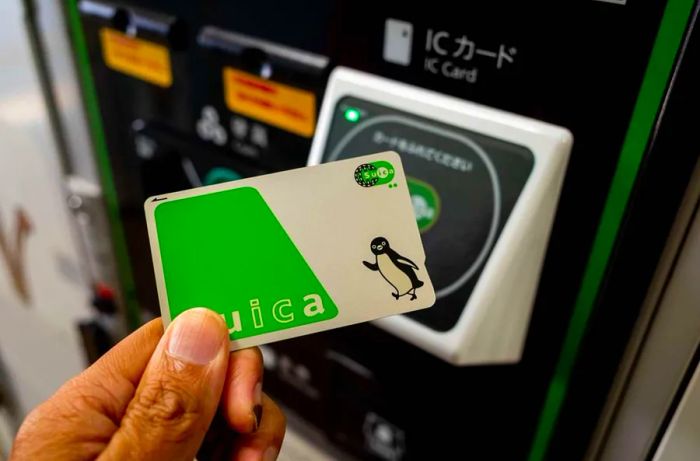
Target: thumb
x=178 y=394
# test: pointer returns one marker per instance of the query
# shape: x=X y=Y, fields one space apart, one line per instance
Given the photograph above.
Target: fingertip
x=257 y=454
x=201 y=313
x=196 y=336
x=266 y=443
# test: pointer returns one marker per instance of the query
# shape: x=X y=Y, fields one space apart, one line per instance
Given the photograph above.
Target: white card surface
x=292 y=253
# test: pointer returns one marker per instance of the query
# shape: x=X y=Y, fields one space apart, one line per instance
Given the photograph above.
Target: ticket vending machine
x=533 y=133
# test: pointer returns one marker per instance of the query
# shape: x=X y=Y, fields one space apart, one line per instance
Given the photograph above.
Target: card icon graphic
x=398 y=40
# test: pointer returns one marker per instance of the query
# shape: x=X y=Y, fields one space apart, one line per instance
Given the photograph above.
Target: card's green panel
x=228 y=252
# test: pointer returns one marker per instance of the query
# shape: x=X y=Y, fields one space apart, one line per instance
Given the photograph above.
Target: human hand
x=172 y=396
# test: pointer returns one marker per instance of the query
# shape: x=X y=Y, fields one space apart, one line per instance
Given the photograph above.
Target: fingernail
x=257 y=412
x=196 y=336
x=270 y=454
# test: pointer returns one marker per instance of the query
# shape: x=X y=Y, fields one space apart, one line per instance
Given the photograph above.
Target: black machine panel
x=577 y=64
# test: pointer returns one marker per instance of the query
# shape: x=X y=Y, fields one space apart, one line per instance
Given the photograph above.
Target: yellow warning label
x=283 y=106
x=135 y=57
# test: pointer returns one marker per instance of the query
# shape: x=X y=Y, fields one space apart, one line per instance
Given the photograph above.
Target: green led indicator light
x=352 y=115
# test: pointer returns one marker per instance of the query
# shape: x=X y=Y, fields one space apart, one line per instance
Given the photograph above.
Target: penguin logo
x=398 y=270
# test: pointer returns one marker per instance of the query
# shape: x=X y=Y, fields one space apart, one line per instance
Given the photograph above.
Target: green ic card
x=292 y=253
